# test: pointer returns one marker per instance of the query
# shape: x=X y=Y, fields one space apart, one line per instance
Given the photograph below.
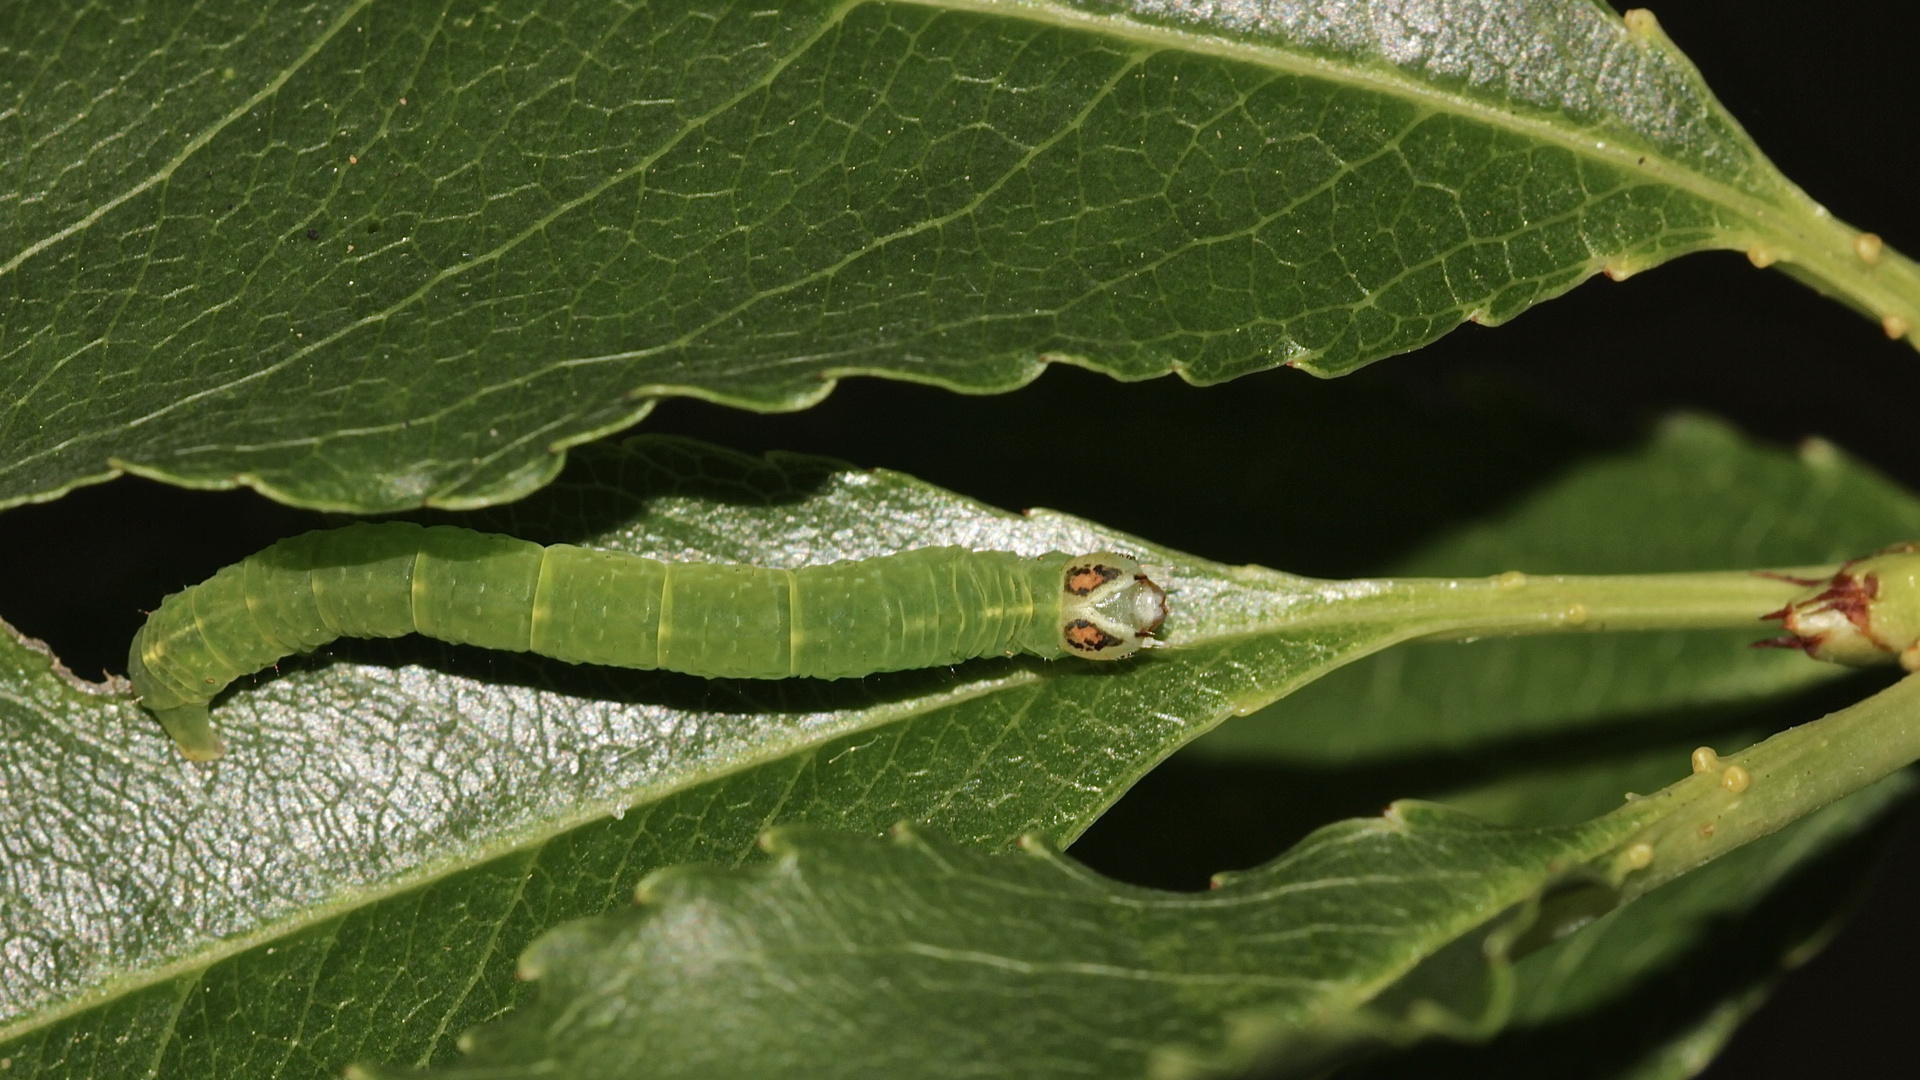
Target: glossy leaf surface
x=488 y=783
x=369 y=256
x=849 y=957
x=348 y=786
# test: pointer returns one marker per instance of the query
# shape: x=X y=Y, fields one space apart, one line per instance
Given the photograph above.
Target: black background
x=1829 y=91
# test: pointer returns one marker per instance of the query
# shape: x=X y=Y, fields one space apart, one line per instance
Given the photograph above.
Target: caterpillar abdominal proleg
x=920 y=608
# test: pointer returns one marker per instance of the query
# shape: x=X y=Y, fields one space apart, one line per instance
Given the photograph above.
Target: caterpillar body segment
x=920 y=608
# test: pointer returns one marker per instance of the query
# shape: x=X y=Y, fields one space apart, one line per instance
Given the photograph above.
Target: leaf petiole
x=1515 y=603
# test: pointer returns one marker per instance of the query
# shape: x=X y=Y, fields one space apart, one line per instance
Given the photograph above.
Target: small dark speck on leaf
x=313 y=234
x=373 y=226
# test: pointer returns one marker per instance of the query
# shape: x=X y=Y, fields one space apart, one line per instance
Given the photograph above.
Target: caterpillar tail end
x=192 y=732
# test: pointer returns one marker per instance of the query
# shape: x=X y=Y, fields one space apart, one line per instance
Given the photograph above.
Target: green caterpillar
x=921 y=608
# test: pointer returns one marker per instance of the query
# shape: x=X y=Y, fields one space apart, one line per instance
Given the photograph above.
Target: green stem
x=1447 y=609
x=1839 y=260
x=1740 y=798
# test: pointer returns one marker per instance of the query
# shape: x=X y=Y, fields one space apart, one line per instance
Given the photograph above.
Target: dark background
x=1828 y=91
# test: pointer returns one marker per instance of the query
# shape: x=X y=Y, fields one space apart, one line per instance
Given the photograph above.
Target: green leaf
x=364 y=808
x=397 y=821
x=1683 y=966
x=854 y=957
x=850 y=957
x=372 y=256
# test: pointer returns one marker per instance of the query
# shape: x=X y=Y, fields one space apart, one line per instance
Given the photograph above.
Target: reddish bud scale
x=1867 y=613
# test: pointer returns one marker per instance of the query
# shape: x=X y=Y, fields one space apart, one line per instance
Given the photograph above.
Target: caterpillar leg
x=192 y=732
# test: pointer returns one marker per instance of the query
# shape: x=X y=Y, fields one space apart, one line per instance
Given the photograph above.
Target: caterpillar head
x=1110 y=608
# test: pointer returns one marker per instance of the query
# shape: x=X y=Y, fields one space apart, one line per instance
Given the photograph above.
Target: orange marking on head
x=1082 y=580
x=1087 y=637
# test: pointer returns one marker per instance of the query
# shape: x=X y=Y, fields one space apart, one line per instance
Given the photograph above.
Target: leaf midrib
x=1376 y=77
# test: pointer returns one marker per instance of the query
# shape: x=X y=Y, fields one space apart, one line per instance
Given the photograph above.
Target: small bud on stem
x=1868 y=613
